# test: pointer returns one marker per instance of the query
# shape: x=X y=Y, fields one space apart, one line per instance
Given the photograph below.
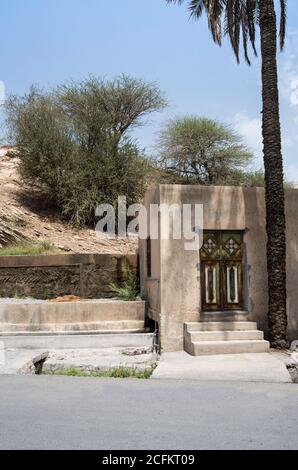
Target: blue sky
x=50 y=41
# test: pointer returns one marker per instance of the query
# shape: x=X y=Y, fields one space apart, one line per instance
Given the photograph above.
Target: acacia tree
x=202 y=151
x=74 y=143
x=241 y=19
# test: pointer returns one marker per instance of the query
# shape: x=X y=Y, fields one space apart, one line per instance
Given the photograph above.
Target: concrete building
x=214 y=300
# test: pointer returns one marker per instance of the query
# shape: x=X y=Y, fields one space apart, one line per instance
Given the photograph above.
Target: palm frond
x=196 y=8
x=245 y=34
x=240 y=18
x=283 y=21
x=236 y=28
x=214 y=10
x=251 y=7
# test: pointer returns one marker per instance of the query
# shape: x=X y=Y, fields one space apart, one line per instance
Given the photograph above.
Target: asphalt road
x=48 y=412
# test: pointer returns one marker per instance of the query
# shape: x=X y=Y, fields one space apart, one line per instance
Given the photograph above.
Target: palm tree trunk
x=274 y=188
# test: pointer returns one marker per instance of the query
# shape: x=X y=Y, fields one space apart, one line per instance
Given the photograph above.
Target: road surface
x=51 y=412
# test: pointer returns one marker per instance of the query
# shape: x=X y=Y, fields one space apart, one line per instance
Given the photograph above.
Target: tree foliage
x=74 y=142
x=198 y=150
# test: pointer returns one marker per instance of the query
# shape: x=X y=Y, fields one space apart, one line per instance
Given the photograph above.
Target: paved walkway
x=263 y=367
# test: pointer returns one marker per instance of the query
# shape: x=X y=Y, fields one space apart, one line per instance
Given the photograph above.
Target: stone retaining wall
x=50 y=276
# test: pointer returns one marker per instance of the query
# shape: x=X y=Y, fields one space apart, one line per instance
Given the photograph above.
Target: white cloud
x=294 y=93
x=291 y=173
x=250 y=127
x=251 y=130
x=289 y=70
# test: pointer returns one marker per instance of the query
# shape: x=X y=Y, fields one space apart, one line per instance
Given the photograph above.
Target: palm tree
x=239 y=19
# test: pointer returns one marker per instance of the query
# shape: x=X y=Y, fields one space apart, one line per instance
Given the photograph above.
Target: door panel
x=231 y=245
x=232 y=285
x=221 y=270
x=211 y=246
x=210 y=285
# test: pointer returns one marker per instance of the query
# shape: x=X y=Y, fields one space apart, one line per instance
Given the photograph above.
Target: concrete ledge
x=84 y=328
x=63 y=259
x=70 y=312
x=90 y=341
x=101 y=315
x=99 y=351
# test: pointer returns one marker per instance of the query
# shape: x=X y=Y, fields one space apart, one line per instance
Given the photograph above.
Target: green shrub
x=130 y=289
x=74 y=143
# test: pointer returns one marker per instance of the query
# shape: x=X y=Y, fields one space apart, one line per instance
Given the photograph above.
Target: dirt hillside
x=20 y=217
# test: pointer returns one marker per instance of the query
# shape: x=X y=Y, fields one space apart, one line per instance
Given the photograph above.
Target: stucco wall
x=151 y=285
x=180 y=296
x=292 y=261
x=225 y=208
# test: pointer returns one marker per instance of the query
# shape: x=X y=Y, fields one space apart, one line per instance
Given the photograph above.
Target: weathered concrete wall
x=180 y=296
x=292 y=261
x=151 y=285
x=50 y=276
x=225 y=208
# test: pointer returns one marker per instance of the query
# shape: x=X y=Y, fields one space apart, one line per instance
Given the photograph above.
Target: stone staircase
x=223 y=337
x=99 y=324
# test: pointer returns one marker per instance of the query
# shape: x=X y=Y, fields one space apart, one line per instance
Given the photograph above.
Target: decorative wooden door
x=221 y=270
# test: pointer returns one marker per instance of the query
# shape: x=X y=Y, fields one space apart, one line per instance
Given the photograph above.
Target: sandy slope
x=18 y=212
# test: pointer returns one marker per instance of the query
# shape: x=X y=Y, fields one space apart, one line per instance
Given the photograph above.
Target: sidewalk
x=263 y=367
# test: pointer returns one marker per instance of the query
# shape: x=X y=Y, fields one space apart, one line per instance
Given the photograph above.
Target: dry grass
x=27 y=249
x=117 y=372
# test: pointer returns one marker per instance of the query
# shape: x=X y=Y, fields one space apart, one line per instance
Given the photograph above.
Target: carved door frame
x=221 y=260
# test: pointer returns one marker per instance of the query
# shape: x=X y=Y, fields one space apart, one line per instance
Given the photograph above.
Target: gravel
x=7 y=300
x=4 y=300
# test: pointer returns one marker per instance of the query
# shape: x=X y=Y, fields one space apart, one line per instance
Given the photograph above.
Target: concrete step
x=221 y=326
x=52 y=328
x=226 y=335
x=226 y=347
x=77 y=341
x=97 y=310
x=227 y=315
x=223 y=337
